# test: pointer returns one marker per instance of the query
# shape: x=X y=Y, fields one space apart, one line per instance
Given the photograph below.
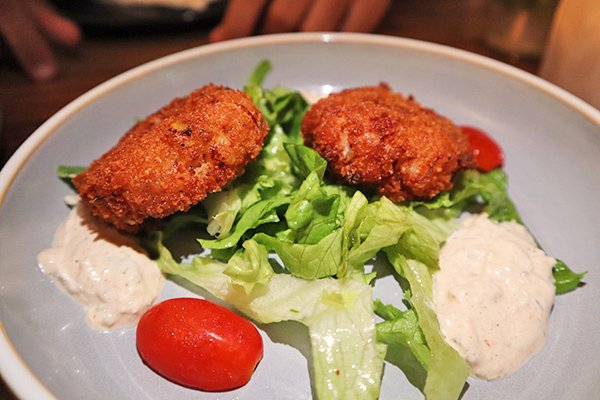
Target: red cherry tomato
x=199 y=344
x=488 y=155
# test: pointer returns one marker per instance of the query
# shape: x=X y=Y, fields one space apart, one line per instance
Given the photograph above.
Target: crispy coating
x=383 y=142
x=174 y=158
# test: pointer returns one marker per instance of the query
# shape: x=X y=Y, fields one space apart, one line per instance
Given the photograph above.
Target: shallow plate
x=552 y=145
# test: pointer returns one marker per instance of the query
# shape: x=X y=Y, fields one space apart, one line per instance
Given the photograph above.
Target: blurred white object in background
x=572 y=56
x=197 y=5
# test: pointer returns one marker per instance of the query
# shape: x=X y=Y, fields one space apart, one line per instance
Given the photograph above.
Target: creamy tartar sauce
x=493 y=295
x=103 y=270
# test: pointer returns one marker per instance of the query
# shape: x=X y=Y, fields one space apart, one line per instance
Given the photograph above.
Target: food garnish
x=487 y=153
x=199 y=344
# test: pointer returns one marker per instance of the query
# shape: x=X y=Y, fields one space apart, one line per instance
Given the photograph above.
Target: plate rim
x=16 y=373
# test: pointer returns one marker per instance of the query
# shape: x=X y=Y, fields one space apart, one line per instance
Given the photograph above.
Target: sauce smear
x=103 y=270
x=493 y=295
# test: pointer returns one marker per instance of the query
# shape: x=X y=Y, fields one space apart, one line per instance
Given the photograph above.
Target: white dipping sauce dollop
x=493 y=295
x=103 y=270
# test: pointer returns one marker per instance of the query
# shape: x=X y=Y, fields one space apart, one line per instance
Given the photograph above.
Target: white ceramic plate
x=552 y=145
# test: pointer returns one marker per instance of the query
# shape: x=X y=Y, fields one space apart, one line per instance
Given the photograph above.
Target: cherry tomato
x=488 y=155
x=199 y=344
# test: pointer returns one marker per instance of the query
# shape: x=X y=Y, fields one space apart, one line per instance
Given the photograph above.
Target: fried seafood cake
x=174 y=158
x=381 y=141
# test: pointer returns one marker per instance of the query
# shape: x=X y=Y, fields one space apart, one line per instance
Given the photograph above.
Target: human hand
x=29 y=28
x=242 y=16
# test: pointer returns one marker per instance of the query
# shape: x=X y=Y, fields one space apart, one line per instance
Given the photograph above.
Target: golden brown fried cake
x=381 y=141
x=174 y=158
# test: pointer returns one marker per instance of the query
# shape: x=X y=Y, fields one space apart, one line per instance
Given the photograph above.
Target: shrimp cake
x=174 y=158
x=386 y=143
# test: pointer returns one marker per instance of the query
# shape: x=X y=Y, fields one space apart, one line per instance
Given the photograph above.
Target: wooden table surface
x=27 y=104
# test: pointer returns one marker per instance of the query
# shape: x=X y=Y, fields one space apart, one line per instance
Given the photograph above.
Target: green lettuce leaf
x=565 y=280
x=305 y=161
x=262 y=212
x=66 y=173
x=338 y=329
x=382 y=224
x=327 y=257
x=274 y=162
x=222 y=209
x=307 y=261
x=402 y=328
x=477 y=191
x=312 y=213
x=280 y=106
x=447 y=371
x=250 y=267
x=256 y=79
x=195 y=216
x=407 y=348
